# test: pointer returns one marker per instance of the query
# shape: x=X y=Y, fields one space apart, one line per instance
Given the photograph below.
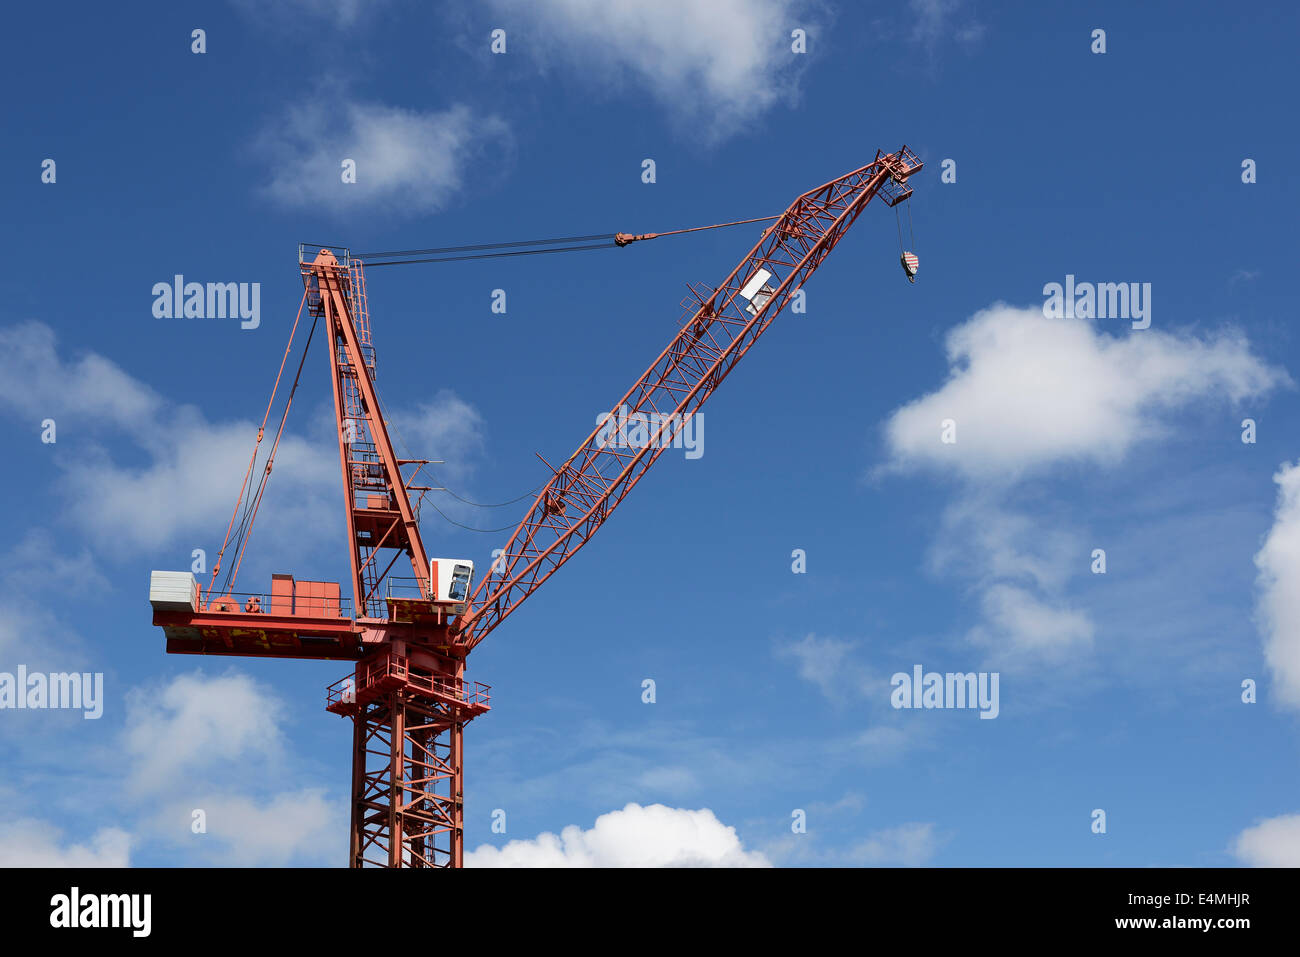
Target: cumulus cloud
x=1278 y=609
x=1027 y=392
x=636 y=836
x=1273 y=842
x=33 y=843
x=407 y=161
x=721 y=63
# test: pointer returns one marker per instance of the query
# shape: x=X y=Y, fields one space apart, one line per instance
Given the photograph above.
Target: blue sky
x=1119 y=691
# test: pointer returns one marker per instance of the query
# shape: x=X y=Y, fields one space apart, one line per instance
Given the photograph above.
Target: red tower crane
x=408 y=696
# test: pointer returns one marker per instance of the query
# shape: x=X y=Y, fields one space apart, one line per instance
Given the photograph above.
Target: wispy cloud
x=911 y=844
x=935 y=22
x=406 y=162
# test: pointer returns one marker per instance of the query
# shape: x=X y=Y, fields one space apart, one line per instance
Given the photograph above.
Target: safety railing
x=407 y=588
x=307 y=253
x=350 y=689
x=264 y=603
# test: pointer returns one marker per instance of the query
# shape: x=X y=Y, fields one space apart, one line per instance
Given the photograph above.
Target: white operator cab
x=450 y=580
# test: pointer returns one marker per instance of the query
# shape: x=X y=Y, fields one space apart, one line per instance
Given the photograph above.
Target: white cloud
x=36 y=382
x=1018 y=625
x=290 y=828
x=189 y=483
x=186 y=482
x=981 y=539
x=197 y=722
x=1027 y=392
x=636 y=836
x=1278 y=562
x=1019 y=567
x=1273 y=842
x=407 y=161
x=33 y=843
x=216 y=744
x=446 y=423
x=715 y=66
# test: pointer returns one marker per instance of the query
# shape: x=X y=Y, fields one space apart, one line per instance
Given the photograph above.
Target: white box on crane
x=757 y=291
x=173 y=591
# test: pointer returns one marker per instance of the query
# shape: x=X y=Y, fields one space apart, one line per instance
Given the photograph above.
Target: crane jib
x=593 y=481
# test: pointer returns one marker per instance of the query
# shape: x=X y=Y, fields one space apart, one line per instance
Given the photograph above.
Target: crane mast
x=376 y=499
x=407 y=695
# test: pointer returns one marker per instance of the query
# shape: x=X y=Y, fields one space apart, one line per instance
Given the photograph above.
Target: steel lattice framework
x=407 y=695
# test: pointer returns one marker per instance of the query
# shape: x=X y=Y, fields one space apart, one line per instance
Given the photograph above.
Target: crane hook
x=910 y=265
